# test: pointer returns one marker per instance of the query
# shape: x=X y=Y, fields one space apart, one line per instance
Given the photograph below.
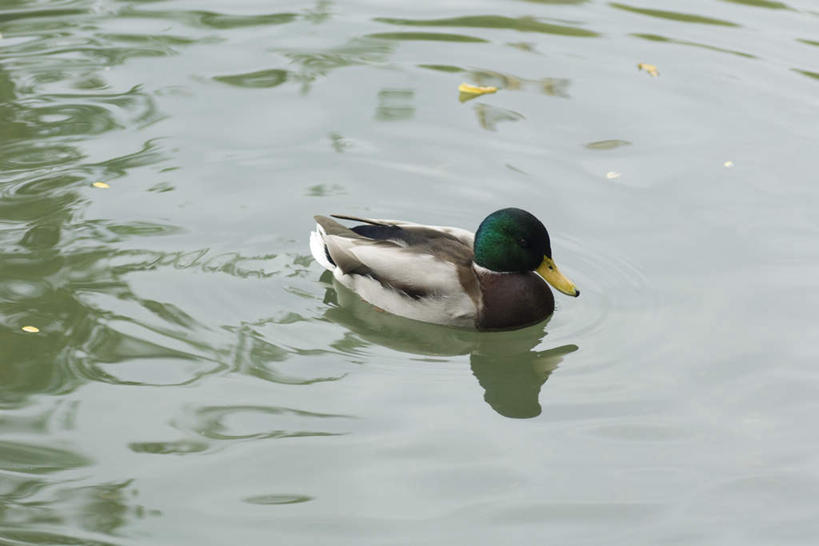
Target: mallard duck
x=490 y=280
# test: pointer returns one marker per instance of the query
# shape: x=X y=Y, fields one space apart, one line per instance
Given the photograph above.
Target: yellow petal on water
x=612 y=175
x=30 y=329
x=102 y=185
x=650 y=68
x=728 y=164
x=475 y=89
x=469 y=92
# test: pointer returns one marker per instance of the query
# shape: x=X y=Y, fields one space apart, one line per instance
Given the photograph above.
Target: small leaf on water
x=650 y=68
x=612 y=175
x=102 y=185
x=30 y=329
x=469 y=92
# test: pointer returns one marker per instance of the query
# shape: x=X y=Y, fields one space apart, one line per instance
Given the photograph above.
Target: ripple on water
x=155 y=372
x=111 y=356
x=46 y=125
x=312 y=64
x=808 y=73
x=426 y=37
x=607 y=144
x=73 y=67
x=60 y=120
x=59 y=514
x=35 y=459
x=664 y=39
x=674 y=15
x=256 y=354
x=521 y=24
x=166 y=44
x=612 y=288
x=210 y=19
x=174 y=447
x=17 y=289
x=261 y=79
x=769 y=4
x=40 y=13
x=277 y=499
x=21 y=156
x=40 y=186
x=231 y=423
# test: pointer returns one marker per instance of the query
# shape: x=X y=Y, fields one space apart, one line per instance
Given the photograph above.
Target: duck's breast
x=512 y=300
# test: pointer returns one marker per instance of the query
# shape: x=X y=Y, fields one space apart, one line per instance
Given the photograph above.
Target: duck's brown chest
x=512 y=300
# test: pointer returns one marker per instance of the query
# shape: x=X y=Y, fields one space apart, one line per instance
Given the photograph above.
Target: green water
x=196 y=380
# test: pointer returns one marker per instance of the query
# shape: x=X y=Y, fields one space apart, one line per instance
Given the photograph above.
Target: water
x=195 y=379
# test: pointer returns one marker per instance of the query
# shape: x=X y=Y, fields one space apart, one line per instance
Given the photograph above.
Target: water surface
x=197 y=380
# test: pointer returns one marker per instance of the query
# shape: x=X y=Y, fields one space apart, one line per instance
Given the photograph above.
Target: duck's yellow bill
x=549 y=271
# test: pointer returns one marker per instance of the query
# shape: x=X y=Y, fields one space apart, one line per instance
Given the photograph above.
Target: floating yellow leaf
x=650 y=68
x=102 y=185
x=612 y=175
x=475 y=89
x=30 y=329
x=728 y=164
x=469 y=92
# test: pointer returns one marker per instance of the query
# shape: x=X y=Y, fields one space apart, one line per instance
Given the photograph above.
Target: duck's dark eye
x=523 y=243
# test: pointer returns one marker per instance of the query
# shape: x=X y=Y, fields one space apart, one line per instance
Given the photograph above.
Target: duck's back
x=419 y=272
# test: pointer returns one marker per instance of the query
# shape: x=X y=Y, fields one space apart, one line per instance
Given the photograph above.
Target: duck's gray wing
x=430 y=266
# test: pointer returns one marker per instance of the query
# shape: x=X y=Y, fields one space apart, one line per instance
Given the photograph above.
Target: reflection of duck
x=512 y=380
x=447 y=275
x=504 y=363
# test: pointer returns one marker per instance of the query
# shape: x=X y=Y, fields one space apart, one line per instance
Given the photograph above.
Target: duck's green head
x=513 y=241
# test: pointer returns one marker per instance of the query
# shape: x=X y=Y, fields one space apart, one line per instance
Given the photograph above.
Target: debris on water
x=469 y=92
x=612 y=175
x=650 y=68
x=101 y=185
x=728 y=164
x=30 y=329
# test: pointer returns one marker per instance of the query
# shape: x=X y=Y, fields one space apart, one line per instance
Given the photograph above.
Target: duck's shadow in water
x=506 y=365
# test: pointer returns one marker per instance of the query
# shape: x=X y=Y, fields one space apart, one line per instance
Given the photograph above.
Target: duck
x=496 y=278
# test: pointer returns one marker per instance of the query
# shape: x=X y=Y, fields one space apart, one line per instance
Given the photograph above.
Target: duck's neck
x=481 y=270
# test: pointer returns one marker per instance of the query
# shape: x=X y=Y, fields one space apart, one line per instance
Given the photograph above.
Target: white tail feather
x=317 y=248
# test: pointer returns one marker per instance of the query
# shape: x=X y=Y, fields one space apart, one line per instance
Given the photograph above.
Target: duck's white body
x=394 y=276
